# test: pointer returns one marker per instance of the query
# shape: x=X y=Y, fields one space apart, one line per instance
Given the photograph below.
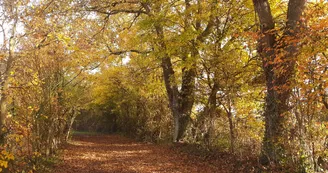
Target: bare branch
x=120 y=52
x=117 y=11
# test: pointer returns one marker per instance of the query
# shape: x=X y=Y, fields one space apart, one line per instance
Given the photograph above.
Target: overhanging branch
x=120 y=52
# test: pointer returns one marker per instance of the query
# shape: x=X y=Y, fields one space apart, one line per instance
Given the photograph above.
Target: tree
x=10 y=18
x=193 y=32
x=279 y=58
x=181 y=101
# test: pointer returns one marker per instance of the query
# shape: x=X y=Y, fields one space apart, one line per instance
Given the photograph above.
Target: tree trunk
x=4 y=80
x=70 y=123
x=181 y=102
x=278 y=84
x=232 y=133
x=3 y=115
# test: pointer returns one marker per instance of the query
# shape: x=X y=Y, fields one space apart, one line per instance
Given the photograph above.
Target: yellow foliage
x=5 y=157
x=4 y=163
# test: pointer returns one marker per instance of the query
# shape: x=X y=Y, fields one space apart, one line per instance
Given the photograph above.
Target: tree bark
x=4 y=80
x=170 y=85
x=70 y=121
x=278 y=74
x=181 y=102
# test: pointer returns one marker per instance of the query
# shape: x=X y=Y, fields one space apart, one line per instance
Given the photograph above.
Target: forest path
x=117 y=154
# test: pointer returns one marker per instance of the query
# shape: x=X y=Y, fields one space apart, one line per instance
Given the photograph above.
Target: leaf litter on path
x=117 y=154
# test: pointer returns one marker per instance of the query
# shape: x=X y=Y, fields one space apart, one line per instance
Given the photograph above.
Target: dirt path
x=113 y=153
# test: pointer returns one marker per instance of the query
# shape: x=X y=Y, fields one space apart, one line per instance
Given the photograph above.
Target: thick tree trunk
x=181 y=102
x=278 y=84
x=171 y=87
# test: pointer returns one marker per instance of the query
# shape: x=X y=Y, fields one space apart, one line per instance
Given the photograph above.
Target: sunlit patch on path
x=116 y=154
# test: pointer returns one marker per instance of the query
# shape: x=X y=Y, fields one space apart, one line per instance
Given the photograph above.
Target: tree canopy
x=244 y=77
